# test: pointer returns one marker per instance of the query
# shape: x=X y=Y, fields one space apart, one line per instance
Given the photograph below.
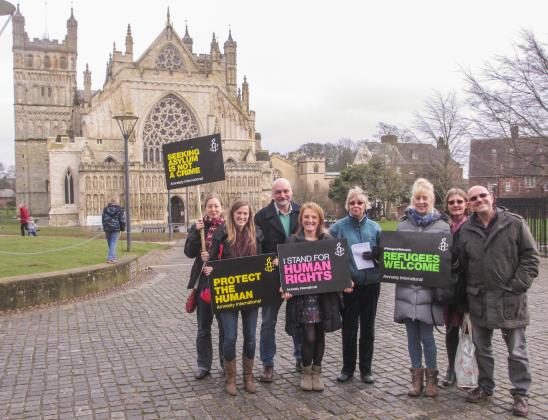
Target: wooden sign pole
x=200 y=216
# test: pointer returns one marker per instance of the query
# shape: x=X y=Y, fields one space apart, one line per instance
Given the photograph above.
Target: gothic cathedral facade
x=69 y=152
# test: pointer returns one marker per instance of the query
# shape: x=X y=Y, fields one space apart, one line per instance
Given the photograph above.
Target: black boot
x=450 y=377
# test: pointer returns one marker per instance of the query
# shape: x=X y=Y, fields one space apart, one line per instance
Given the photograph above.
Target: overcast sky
x=317 y=70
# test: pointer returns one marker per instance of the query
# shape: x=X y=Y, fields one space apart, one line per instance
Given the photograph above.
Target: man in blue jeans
x=114 y=222
x=500 y=260
x=277 y=221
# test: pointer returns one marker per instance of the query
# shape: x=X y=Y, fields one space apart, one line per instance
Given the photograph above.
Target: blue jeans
x=112 y=239
x=420 y=336
x=229 y=321
x=269 y=314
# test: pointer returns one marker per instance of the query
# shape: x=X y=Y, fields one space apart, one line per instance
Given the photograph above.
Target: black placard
x=193 y=161
x=416 y=258
x=313 y=267
x=243 y=283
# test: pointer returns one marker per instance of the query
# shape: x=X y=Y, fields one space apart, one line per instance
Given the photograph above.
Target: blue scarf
x=422 y=221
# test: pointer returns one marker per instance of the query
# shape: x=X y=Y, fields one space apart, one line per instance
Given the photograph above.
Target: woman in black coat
x=311 y=316
x=212 y=221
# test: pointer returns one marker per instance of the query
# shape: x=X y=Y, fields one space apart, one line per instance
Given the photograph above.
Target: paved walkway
x=131 y=354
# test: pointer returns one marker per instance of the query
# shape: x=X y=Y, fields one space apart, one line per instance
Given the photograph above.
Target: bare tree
x=513 y=92
x=443 y=123
x=403 y=134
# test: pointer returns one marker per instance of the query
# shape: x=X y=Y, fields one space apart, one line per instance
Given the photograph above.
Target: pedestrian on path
x=212 y=221
x=415 y=306
x=278 y=220
x=456 y=206
x=114 y=222
x=311 y=316
x=360 y=306
x=239 y=237
x=500 y=259
x=24 y=216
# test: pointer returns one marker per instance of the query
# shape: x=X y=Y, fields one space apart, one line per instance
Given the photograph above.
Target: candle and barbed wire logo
x=339 y=252
x=269 y=266
x=444 y=246
x=214 y=146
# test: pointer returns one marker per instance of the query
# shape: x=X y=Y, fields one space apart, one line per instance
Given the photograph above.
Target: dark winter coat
x=193 y=248
x=114 y=218
x=358 y=231
x=417 y=302
x=330 y=304
x=499 y=269
x=268 y=221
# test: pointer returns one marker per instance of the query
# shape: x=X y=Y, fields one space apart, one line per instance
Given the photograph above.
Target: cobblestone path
x=131 y=354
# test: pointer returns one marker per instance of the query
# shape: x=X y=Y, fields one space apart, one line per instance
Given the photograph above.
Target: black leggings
x=451 y=343
x=313 y=344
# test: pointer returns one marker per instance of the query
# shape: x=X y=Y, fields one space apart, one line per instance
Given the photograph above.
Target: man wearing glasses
x=278 y=221
x=500 y=260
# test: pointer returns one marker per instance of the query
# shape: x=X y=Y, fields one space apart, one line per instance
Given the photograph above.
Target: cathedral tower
x=44 y=74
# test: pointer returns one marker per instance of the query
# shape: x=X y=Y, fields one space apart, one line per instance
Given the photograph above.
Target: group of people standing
x=494 y=261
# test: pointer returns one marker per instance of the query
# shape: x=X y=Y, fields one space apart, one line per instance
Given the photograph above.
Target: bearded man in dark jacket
x=114 y=222
x=500 y=261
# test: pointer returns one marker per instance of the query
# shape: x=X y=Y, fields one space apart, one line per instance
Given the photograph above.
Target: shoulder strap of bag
x=220 y=251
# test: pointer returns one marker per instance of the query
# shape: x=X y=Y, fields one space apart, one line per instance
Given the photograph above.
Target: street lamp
x=127 y=122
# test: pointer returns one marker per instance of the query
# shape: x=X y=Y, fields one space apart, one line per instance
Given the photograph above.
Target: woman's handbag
x=191 y=301
x=466 y=366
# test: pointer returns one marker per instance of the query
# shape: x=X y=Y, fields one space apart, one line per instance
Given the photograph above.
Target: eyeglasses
x=353 y=203
x=281 y=191
x=452 y=202
x=475 y=197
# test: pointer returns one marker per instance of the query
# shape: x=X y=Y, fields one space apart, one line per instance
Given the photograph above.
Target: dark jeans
x=313 y=344
x=23 y=228
x=360 y=310
x=267 y=345
x=229 y=319
x=518 y=360
x=204 y=348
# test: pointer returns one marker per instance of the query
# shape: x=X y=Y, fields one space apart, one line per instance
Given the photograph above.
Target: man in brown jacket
x=500 y=260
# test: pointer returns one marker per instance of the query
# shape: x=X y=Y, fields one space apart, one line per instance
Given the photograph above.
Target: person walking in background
x=500 y=260
x=311 y=316
x=31 y=227
x=212 y=221
x=237 y=238
x=23 y=218
x=456 y=206
x=360 y=306
x=114 y=222
x=415 y=306
x=277 y=221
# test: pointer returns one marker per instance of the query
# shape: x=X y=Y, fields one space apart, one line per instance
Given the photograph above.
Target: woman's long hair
x=248 y=235
x=319 y=211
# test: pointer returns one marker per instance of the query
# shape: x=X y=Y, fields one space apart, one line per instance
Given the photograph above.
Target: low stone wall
x=37 y=289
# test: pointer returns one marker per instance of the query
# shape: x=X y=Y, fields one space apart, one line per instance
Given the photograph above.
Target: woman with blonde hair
x=415 y=306
x=239 y=237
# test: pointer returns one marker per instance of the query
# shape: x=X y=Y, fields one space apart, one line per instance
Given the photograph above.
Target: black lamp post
x=127 y=122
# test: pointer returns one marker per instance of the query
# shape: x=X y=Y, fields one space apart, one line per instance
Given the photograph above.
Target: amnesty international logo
x=443 y=245
x=269 y=267
x=339 y=252
x=214 y=146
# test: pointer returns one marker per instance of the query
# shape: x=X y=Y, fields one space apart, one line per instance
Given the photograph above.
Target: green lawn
x=89 y=253
x=389 y=225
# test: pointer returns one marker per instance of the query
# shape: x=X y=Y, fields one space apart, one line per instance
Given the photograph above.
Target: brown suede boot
x=230 y=377
x=306 y=378
x=247 y=365
x=317 y=384
x=431 y=383
x=417 y=384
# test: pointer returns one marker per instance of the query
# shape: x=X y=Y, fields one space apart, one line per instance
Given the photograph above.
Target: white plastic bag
x=466 y=366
